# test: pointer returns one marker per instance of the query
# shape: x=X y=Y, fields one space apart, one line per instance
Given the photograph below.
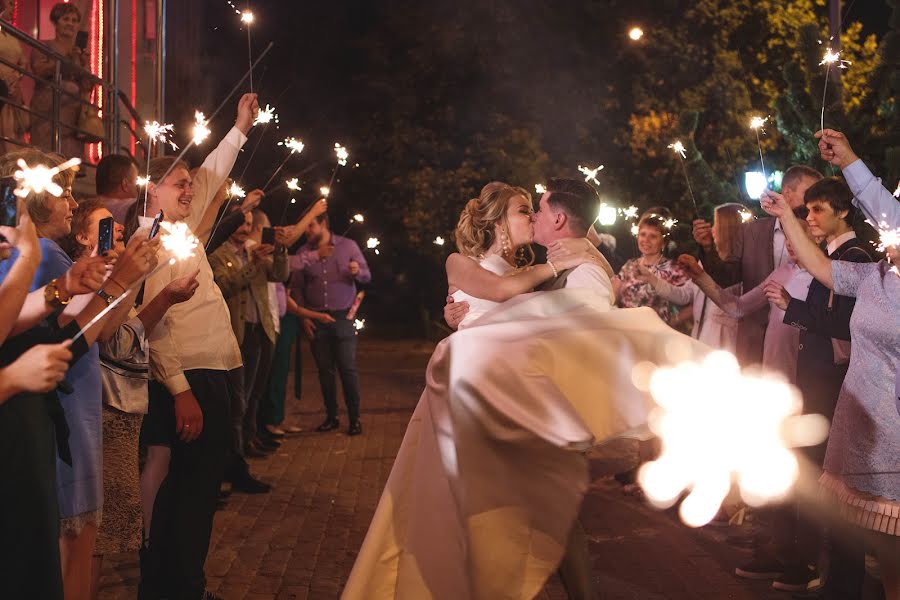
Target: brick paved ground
x=299 y=541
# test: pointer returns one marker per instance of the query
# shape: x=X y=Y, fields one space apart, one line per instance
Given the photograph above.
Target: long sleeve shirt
x=870 y=195
x=326 y=284
x=191 y=335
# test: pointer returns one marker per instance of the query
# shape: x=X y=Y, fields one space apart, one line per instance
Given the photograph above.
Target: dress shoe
x=274 y=431
x=248 y=484
x=355 y=428
x=254 y=451
x=329 y=425
x=291 y=429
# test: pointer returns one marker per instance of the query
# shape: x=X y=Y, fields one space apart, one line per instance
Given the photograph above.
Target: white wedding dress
x=490 y=475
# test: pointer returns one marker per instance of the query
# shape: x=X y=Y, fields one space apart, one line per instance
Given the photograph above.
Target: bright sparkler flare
x=635 y=229
x=373 y=243
x=358 y=218
x=201 y=128
x=834 y=58
x=887 y=237
x=236 y=191
x=265 y=115
x=746 y=216
x=758 y=123
x=293 y=184
x=39 y=178
x=630 y=213
x=141 y=181
x=178 y=239
x=670 y=223
x=160 y=133
x=342 y=154
x=540 y=189
x=247 y=17
x=636 y=33
x=438 y=241
x=324 y=190
x=359 y=324
x=710 y=439
x=292 y=144
x=590 y=174
x=607 y=214
x=678 y=147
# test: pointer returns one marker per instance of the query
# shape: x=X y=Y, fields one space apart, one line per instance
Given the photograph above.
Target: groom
x=566 y=210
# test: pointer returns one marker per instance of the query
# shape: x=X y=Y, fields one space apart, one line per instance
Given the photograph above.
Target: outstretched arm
x=808 y=254
x=466 y=274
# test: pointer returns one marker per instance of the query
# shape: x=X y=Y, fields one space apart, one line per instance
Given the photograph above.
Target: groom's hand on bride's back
x=455 y=312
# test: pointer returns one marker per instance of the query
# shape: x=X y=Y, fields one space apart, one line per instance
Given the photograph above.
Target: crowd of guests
x=121 y=440
x=801 y=294
x=78 y=121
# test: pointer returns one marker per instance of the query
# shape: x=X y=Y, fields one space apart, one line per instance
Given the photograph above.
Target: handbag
x=90 y=125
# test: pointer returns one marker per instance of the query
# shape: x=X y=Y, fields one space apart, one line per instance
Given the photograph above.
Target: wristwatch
x=108 y=297
x=51 y=294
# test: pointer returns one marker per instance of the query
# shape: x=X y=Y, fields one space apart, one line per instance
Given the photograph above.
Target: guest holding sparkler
x=758 y=250
x=32 y=517
x=191 y=355
x=862 y=459
x=712 y=325
x=242 y=268
x=326 y=272
x=631 y=285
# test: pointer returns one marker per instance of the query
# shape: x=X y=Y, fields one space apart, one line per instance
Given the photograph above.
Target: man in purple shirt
x=324 y=276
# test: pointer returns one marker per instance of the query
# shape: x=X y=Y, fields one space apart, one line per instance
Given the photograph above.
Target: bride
x=490 y=475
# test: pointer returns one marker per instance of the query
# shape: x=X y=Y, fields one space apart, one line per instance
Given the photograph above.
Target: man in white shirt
x=192 y=351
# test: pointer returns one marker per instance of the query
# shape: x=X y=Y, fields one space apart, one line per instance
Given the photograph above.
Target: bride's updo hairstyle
x=476 y=230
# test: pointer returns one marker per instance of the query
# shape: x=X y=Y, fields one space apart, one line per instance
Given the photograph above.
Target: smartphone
x=105 y=236
x=8 y=202
x=154 y=228
x=81 y=40
x=268 y=236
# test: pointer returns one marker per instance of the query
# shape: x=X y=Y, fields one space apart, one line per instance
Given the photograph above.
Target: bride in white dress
x=490 y=475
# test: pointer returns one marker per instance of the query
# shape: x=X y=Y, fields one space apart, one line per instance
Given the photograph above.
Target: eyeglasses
x=182 y=185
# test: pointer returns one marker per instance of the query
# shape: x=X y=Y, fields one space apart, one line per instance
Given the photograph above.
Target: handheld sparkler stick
x=831 y=58
x=219 y=108
x=296 y=147
x=756 y=124
x=679 y=149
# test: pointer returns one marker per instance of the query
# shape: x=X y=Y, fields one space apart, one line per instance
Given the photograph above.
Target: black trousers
x=334 y=350
x=172 y=561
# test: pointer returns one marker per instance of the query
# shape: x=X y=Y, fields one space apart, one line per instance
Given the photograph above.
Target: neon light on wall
x=134 y=101
x=95 y=151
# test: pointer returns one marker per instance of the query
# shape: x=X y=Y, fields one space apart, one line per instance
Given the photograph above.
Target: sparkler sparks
x=39 y=178
x=607 y=214
x=678 y=147
x=178 y=239
x=201 y=128
x=746 y=216
x=324 y=191
x=887 y=237
x=293 y=184
x=629 y=213
x=358 y=218
x=359 y=324
x=670 y=223
x=540 y=189
x=141 y=181
x=590 y=174
x=373 y=243
x=265 y=116
x=758 y=123
x=438 y=241
x=635 y=33
x=342 y=154
x=236 y=191
x=709 y=439
x=160 y=133
x=247 y=17
x=635 y=229
x=831 y=58
x=292 y=144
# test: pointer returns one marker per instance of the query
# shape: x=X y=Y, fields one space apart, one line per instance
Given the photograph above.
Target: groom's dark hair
x=577 y=199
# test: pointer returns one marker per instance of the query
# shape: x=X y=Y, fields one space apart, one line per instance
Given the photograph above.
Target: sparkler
x=670 y=223
x=157 y=133
x=358 y=218
x=590 y=174
x=373 y=243
x=236 y=191
x=293 y=184
x=629 y=213
x=247 y=19
x=438 y=241
x=635 y=229
x=359 y=324
x=324 y=191
x=746 y=216
x=178 y=240
x=39 y=178
x=831 y=58
x=141 y=181
x=265 y=116
x=680 y=150
x=201 y=128
x=342 y=155
x=887 y=237
x=540 y=189
x=757 y=124
x=636 y=33
x=708 y=438
x=607 y=214
x=295 y=146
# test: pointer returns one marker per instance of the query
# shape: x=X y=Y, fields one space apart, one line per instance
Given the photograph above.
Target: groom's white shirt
x=591 y=277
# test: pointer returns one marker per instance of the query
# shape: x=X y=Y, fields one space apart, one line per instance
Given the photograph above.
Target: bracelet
x=111 y=280
x=552 y=266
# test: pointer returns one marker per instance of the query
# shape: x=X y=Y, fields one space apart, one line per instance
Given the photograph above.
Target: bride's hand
x=568 y=253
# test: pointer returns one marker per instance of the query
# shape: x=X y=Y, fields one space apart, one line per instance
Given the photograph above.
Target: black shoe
x=760 y=568
x=355 y=428
x=267 y=444
x=248 y=484
x=251 y=450
x=794 y=579
x=329 y=425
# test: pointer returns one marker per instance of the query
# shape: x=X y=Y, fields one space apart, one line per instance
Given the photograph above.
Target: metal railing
x=116 y=105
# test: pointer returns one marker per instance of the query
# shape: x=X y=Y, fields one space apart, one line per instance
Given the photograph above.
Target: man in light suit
x=758 y=250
